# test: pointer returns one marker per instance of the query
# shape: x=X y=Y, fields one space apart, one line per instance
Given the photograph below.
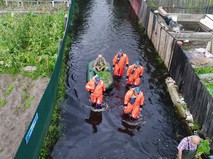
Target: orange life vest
x=98 y=89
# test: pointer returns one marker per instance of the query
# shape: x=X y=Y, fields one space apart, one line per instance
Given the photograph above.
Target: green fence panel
x=32 y=141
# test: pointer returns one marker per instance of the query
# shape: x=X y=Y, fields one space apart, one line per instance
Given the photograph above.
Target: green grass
x=1 y=149
x=206 y=70
x=203 y=148
x=27 y=104
x=30 y=40
x=9 y=90
x=183 y=106
x=24 y=94
x=196 y=126
x=151 y=4
x=3 y=102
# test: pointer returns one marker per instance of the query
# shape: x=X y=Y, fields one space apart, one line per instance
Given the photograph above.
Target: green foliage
x=2 y=102
x=203 y=148
x=27 y=104
x=196 y=126
x=17 y=109
x=141 y=29
x=204 y=70
x=104 y=75
x=31 y=98
x=9 y=90
x=151 y=4
x=209 y=87
x=183 y=106
x=30 y=40
x=1 y=149
x=24 y=94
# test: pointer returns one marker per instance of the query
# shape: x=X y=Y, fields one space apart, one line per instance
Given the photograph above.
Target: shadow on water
x=95 y=118
x=105 y=26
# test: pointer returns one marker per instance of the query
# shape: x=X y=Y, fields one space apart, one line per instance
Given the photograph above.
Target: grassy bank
x=30 y=40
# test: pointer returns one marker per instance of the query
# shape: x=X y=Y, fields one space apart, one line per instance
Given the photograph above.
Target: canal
x=105 y=26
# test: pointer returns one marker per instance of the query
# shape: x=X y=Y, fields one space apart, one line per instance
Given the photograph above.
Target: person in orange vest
x=96 y=87
x=119 y=62
x=134 y=74
x=133 y=101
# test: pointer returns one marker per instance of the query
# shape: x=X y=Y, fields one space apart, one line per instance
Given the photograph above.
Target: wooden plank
x=150 y=25
x=192 y=36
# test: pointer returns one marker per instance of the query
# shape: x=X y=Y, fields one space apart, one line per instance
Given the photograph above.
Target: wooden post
x=65 y=21
x=20 y=3
x=53 y=3
x=59 y=44
x=6 y=2
x=209 y=46
x=162 y=11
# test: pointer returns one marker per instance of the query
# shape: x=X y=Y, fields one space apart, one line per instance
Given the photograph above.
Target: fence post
x=65 y=21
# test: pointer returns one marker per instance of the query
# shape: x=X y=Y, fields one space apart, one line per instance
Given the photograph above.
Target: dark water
x=104 y=26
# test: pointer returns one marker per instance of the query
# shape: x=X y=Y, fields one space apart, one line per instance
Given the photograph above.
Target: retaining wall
x=199 y=101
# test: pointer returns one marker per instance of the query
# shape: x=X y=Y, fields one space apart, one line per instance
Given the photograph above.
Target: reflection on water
x=105 y=26
x=95 y=118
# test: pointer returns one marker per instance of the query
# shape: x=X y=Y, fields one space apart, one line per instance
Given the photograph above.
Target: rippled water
x=104 y=26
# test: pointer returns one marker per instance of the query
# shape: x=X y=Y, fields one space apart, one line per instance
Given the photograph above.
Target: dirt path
x=19 y=98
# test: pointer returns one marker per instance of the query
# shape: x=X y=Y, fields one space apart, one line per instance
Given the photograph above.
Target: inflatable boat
x=105 y=75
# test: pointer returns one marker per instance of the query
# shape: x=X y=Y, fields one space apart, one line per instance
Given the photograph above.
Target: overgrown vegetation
x=2 y=102
x=203 y=149
x=30 y=40
x=104 y=75
x=9 y=90
x=151 y=4
x=208 y=84
x=204 y=70
x=196 y=126
x=33 y=40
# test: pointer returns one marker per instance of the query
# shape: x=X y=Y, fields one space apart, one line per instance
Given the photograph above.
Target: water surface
x=105 y=26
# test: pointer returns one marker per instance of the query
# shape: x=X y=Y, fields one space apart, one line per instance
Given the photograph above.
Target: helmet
x=120 y=50
x=97 y=79
x=137 y=63
x=99 y=56
x=137 y=90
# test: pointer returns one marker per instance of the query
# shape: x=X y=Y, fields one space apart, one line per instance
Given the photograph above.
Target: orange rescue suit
x=133 y=106
x=134 y=74
x=119 y=64
x=96 y=95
